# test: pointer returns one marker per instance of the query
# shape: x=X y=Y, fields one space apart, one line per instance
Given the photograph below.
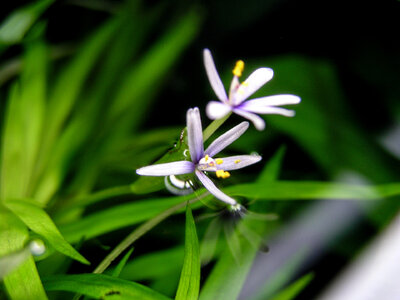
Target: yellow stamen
x=219 y=161
x=222 y=174
x=237 y=161
x=206 y=157
x=237 y=71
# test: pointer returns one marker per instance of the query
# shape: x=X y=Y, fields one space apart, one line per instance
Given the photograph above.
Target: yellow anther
x=206 y=157
x=219 y=161
x=222 y=174
x=237 y=161
x=237 y=71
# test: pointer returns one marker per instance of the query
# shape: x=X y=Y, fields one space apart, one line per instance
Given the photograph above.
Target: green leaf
x=117 y=271
x=189 y=283
x=17 y=24
x=12 y=261
x=117 y=217
x=23 y=282
x=101 y=286
x=38 y=221
x=271 y=170
x=295 y=288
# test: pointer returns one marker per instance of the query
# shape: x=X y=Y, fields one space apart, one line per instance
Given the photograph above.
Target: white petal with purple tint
x=256 y=80
x=276 y=100
x=237 y=162
x=213 y=76
x=267 y=110
x=172 y=168
x=226 y=139
x=210 y=186
x=217 y=110
x=195 y=134
x=258 y=122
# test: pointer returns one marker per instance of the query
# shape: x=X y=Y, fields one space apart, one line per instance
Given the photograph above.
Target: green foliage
x=189 y=283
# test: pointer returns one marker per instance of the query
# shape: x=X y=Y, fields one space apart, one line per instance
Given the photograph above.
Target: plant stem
x=140 y=231
x=214 y=126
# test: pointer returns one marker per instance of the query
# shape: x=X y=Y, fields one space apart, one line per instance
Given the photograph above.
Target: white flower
x=239 y=92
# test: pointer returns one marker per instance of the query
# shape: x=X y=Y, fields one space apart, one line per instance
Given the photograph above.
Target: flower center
x=207 y=163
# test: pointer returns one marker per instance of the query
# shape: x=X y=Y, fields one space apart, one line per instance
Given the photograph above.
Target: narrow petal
x=258 y=122
x=213 y=76
x=256 y=80
x=275 y=100
x=210 y=186
x=226 y=139
x=267 y=110
x=195 y=134
x=217 y=110
x=172 y=168
x=237 y=162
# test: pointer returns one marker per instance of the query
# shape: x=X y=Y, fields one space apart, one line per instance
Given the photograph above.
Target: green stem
x=214 y=126
x=140 y=231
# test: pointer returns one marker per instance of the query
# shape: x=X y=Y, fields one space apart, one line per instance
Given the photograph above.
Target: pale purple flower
x=202 y=160
x=239 y=92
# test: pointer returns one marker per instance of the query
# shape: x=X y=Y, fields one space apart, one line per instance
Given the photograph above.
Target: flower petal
x=267 y=110
x=237 y=162
x=257 y=121
x=213 y=76
x=256 y=80
x=195 y=134
x=172 y=168
x=275 y=100
x=210 y=186
x=226 y=139
x=217 y=110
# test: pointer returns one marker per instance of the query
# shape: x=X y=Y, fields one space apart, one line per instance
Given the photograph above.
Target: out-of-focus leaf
x=118 y=217
x=62 y=99
x=17 y=24
x=294 y=289
x=23 y=282
x=297 y=190
x=272 y=168
x=99 y=286
x=117 y=271
x=152 y=265
x=189 y=283
x=12 y=261
x=38 y=221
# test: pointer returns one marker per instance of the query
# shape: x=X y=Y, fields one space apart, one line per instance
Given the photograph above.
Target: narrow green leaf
x=38 y=221
x=24 y=281
x=101 y=286
x=12 y=261
x=271 y=170
x=118 y=217
x=295 y=288
x=189 y=283
x=117 y=271
x=17 y=24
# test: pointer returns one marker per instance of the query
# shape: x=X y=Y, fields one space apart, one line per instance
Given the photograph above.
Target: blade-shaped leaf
x=23 y=282
x=189 y=282
x=39 y=221
x=117 y=271
x=294 y=289
x=101 y=286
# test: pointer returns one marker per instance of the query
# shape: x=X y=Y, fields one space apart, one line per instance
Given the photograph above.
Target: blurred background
x=117 y=78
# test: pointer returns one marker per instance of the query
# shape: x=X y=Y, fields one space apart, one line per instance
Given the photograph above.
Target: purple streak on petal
x=210 y=186
x=195 y=134
x=226 y=139
x=217 y=110
x=213 y=76
x=256 y=80
x=275 y=100
x=172 y=168
x=257 y=121
x=238 y=162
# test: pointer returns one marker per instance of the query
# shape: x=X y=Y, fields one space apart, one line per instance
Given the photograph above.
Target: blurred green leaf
x=294 y=289
x=271 y=170
x=38 y=221
x=100 y=286
x=189 y=283
x=12 y=261
x=117 y=271
x=151 y=266
x=17 y=24
x=117 y=217
x=24 y=282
